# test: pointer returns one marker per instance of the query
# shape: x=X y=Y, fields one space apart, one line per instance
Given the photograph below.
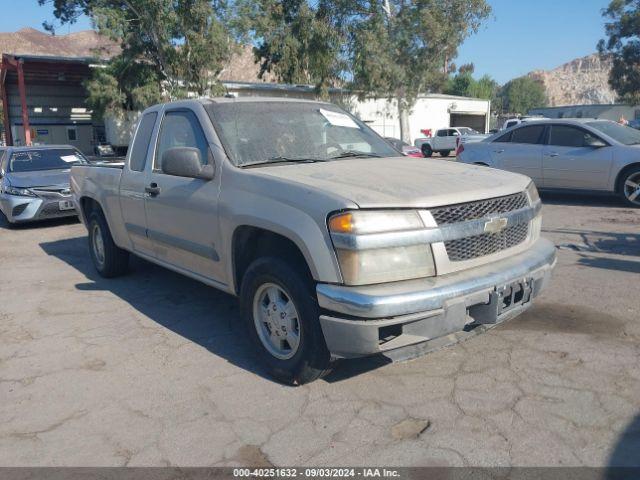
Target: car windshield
x=620 y=133
x=468 y=131
x=277 y=132
x=44 y=159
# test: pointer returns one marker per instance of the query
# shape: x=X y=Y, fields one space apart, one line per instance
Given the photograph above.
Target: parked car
x=446 y=140
x=575 y=154
x=404 y=148
x=34 y=182
x=333 y=250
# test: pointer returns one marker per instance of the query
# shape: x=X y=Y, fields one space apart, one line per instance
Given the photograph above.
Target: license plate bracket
x=502 y=300
x=66 y=205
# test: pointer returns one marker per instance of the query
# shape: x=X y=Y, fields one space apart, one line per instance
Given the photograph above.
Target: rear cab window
x=142 y=141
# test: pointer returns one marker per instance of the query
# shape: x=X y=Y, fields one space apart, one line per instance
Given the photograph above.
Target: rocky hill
x=29 y=41
x=579 y=82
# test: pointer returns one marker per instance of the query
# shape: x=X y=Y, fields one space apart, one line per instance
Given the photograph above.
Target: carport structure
x=42 y=91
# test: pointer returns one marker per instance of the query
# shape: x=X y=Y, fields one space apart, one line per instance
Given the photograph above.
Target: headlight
x=533 y=194
x=385 y=264
x=21 y=192
x=536 y=223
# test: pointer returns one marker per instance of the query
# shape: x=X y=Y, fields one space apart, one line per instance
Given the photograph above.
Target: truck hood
x=401 y=182
x=42 y=178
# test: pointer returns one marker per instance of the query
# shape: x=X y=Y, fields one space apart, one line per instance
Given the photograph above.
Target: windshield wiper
x=354 y=153
x=281 y=159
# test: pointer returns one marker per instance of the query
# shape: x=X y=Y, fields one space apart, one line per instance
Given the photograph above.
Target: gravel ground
x=152 y=369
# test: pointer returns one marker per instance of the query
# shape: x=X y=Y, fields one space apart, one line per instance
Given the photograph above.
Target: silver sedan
x=569 y=154
x=34 y=182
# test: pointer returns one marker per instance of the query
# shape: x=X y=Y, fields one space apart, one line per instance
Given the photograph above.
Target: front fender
x=308 y=233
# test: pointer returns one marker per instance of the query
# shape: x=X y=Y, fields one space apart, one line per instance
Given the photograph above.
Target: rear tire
x=629 y=187
x=278 y=303
x=427 y=151
x=445 y=153
x=108 y=259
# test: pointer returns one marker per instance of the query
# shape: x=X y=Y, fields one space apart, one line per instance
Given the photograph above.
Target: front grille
x=53 y=210
x=474 y=210
x=486 y=243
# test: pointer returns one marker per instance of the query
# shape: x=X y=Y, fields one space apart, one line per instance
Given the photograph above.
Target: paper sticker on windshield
x=69 y=158
x=338 y=119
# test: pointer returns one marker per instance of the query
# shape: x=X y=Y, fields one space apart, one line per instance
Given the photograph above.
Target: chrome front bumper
x=19 y=209
x=359 y=321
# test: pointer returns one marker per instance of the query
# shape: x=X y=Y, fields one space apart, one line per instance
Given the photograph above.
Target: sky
x=520 y=36
x=526 y=35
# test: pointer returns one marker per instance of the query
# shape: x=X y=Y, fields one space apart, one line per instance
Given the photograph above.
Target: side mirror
x=594 y=142
x=186 y=162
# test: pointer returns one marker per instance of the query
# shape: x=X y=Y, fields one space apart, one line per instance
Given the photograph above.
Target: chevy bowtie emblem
x=495 y=225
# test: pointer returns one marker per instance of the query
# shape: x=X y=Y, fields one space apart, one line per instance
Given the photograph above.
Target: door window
x=181 y=128
x=442 y=133
x=140 y=147
x=567 y=136
x=506 y=138
x=530 y=135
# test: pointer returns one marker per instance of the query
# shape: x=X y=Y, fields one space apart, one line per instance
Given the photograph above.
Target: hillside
x=29 y=41
x=580 y=81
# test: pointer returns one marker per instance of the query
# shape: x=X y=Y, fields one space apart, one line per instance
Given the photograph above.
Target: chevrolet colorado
x=336 y=246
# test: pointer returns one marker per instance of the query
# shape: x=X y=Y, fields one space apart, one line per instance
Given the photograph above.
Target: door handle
x=153 y=189
x=498 y=151
x=553 y=154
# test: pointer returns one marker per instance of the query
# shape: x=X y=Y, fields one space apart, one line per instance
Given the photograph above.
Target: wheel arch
x=250 y=242
x=617 y=186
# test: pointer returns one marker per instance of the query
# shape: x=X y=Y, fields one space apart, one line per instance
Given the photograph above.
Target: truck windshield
x=621 y=133
x=44 y=159
x=276 y=132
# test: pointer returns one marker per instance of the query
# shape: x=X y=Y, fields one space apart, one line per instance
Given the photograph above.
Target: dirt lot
x=152 y=369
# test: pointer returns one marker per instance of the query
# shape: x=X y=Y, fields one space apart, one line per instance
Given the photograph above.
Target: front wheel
x=281 y=315
x=630 y=187
x=108 y=259
x=445 y=153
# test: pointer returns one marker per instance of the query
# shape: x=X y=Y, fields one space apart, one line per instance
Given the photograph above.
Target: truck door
x=132 y=184
x=182 y=213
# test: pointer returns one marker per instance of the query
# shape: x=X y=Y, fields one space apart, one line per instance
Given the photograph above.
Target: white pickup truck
x=336 y=246
x=446 y=140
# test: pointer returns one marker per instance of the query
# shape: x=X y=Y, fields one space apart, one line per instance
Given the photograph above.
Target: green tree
x=397 y=48
x=465 y=85
x=623 y=46
x=522 y=94
x=297 y=41
x=169 y=48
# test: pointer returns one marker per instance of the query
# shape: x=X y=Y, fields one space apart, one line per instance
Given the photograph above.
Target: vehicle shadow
x=624 y=461
x=610 y=264
x=592 y=241
x=581 y=199
x=199 y=313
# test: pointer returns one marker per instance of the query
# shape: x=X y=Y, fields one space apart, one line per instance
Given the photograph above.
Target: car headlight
x=532 y=193
x=536 y=223
x=21 y=192
x=392 y=259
